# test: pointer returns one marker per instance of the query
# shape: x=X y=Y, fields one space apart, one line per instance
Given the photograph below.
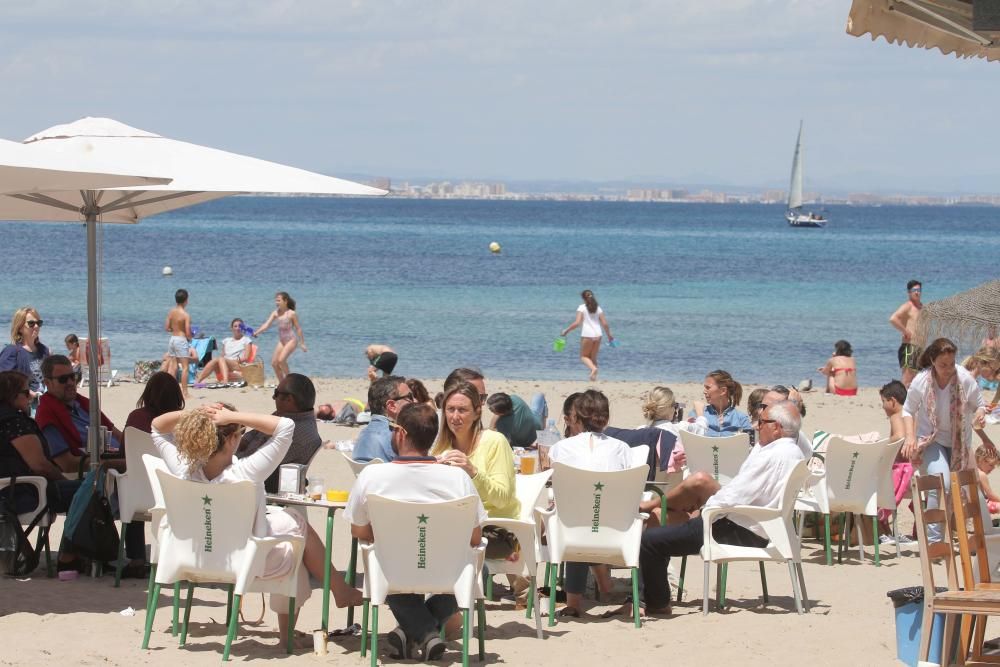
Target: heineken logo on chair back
x=422 y=542
x=206 y=508
x=850 y=471
x=595 y=524
x=715 y=462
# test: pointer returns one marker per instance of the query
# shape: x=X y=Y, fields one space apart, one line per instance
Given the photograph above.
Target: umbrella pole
x=93 y=342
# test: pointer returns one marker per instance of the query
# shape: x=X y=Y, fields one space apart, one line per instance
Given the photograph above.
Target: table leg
x=326 y=569
x=352 y=575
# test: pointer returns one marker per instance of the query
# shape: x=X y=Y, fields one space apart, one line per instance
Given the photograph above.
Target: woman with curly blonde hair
x=200 y=445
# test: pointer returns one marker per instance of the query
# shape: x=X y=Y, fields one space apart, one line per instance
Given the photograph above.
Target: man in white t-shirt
x=413 y=476
x=234 y=352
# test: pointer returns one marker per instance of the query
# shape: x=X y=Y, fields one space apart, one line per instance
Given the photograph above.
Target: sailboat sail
x=795 y=187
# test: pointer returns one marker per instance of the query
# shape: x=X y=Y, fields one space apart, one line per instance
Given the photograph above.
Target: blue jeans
x=419 y=617
x=541 y=410
x=936 y=460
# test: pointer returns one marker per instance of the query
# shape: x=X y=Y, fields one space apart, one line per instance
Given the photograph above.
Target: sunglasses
x=66 y=377
x=35 y=323
x=396 y=427
x=483 y=397
x=406 y=397
x=767 y=421
x=278 y=392
x=916 y=289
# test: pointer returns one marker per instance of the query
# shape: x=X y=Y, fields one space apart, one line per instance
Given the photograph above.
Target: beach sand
x=851 y=622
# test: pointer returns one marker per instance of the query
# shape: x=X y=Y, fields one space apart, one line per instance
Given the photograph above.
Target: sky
x=658 y=91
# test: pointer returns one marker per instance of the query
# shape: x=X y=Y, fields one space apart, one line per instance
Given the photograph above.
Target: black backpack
x=17 y=557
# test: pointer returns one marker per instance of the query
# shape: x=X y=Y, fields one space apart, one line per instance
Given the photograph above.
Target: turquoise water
x=687 y=288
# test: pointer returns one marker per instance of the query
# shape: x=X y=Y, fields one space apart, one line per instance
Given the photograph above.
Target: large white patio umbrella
x=24 y=170
x=199 y=174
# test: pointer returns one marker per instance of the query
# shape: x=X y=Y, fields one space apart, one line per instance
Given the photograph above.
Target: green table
x=330 y=507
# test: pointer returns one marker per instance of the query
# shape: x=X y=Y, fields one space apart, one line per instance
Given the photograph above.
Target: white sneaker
x=886 y=539
x=906 y=539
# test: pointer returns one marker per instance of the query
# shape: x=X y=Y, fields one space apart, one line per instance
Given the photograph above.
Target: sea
x=687 y=288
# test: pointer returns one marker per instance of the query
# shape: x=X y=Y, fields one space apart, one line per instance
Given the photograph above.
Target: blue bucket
x=909 y=604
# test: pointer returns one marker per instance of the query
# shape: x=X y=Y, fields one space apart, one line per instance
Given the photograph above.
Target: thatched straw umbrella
x=967 y=317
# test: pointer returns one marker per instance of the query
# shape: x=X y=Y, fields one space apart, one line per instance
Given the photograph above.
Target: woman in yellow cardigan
x=483 y=454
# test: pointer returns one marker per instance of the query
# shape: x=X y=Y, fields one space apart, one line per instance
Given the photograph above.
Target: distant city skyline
x=664 y=92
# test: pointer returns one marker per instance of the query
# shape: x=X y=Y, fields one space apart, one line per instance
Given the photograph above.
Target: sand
x=851 y=622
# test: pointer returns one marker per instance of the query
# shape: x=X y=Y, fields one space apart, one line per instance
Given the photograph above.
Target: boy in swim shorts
x=179 y=347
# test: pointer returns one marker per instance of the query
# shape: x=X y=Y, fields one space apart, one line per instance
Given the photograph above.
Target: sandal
x=76 y=565
x=568 y=612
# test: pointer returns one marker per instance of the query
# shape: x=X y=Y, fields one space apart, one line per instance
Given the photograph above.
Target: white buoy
x=495 y=248
x=167 y=271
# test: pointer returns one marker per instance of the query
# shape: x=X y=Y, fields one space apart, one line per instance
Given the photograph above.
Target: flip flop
x=568 y=612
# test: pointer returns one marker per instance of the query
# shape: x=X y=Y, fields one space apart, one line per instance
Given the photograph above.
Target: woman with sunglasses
x=25 y=352
x=200 y=445
x=22 y=453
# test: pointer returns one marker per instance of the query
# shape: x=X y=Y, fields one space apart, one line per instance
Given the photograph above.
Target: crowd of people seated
x=438 y=449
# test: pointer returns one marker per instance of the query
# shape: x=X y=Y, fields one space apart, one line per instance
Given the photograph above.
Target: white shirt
x=257 y=467
x=412 y=481
x=592 y=451
x=915 y=407
x=232 y=348
x=760 y=480
x=591 y=327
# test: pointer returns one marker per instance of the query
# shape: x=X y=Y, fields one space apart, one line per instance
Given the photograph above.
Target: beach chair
x=38 y=517
x=135 y=495
x=530 y=491
x=207 y=537
x=104 y=373
x=783 y=543
x=719 y=457
x=976 y=564
x=853 y=476
x=423 y=548
x=595 y=520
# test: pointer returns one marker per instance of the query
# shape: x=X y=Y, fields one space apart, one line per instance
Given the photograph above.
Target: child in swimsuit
x=179 y=346
x=290 y=333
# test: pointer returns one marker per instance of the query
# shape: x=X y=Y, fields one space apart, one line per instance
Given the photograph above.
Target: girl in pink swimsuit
x=290 y=333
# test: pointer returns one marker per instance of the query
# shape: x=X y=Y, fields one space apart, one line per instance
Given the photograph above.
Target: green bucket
x=559 y=344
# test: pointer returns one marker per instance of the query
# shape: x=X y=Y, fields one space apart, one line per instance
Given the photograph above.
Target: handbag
x=17 y=557
x=90 y=524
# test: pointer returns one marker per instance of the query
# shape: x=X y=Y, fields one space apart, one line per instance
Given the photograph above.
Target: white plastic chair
x=530 y=491
x=352 y=568
x=423 y=548
x=639 y=455
x=783 y=546
x=853 y=476
x=39 y=516
x=595 y=520
x=135 y=495
x=719 y=457
x=357 y=466
x=207 y=536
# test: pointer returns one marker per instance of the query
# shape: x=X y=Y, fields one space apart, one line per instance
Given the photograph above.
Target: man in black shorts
x=905 y=321
x=382 y=358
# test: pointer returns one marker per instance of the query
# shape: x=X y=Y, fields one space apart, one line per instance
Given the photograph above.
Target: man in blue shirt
x=386 y=397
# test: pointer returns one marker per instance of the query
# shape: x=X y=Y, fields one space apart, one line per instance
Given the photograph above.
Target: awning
x=929 y=24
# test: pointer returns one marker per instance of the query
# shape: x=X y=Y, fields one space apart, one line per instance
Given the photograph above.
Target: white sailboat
x=795 y=216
